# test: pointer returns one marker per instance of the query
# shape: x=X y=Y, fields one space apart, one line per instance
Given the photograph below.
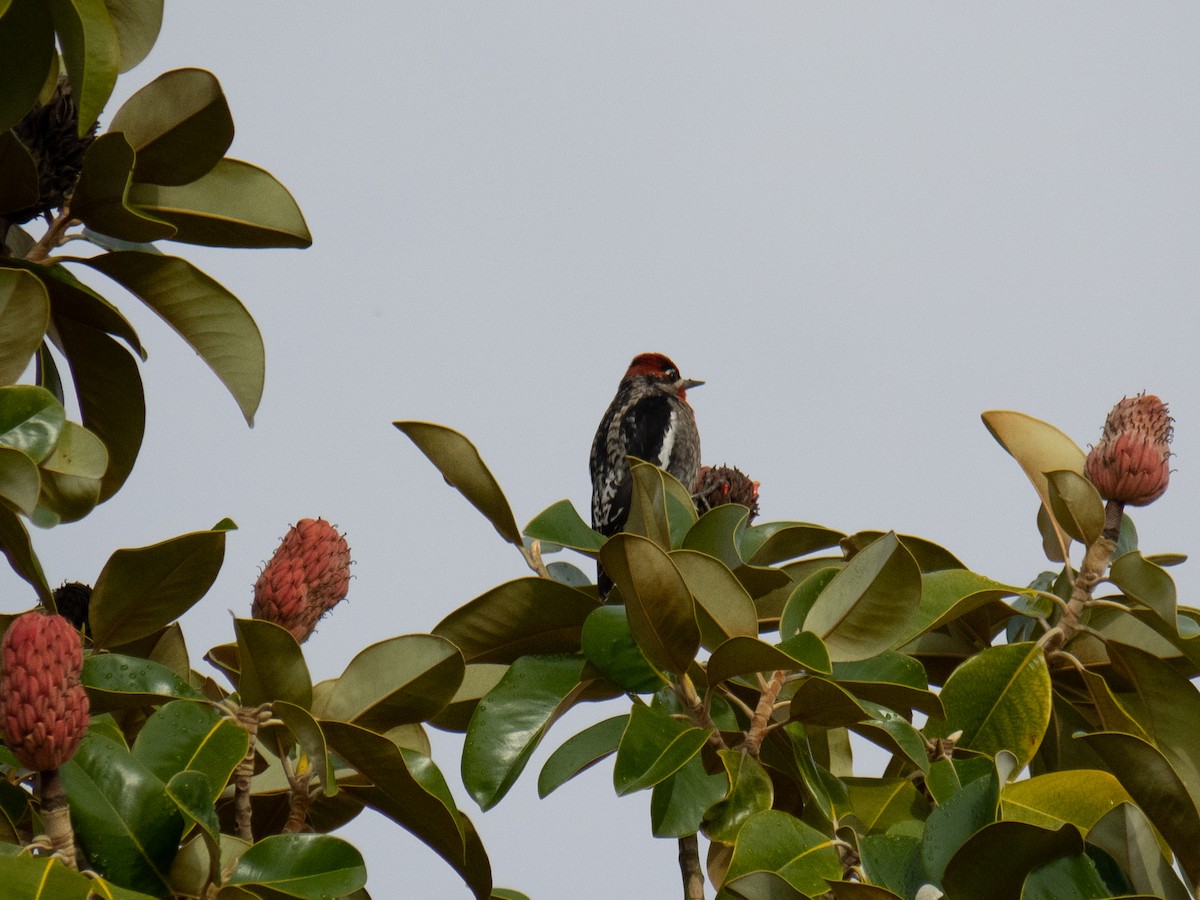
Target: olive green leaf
x=91 y=51
x=101 y=198
x=203 y=312
x=179 y=125
x=137 y=23
x=27 y=48
x=463 y=468
x=235 y=204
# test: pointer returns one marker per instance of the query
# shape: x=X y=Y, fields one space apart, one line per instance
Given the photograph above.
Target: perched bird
x=650 y=419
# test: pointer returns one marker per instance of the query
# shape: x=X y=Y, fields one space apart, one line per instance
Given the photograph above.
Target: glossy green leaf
x=15 y=543
x=309 y=866
x=137 y=23
x=206 y=315
x=463 y=468
x=115 y=681
x=179 y=125
x=856 y=890
x=744 y=656
x=90 y=49
x=880 y=803
x=1156 y=787
x=306 y=731
x=660 y=508
x=817 y=701
x=775 y=542
x=608 y=644
x=123 y=819
x=952 y=593
x=869 y=602
x=19 y=189
x=510 y=721
x=1000 y=700
x=410 y=790
x=580 y=753
x=653 y=747
x=894 y=861
x=973 y=871
x=1068 y=878
x=930 y=557
x=140 y=590
x=27 y=48
x=27 y=877
x=108 y=386
x=396 y=681
x=678 y=803
x=101 y=200
x=193 y=795
x=775 y=842
x=1125 y=834
x=71 y=299
x=25 y=311
x=478 y=680
x=235 y=204
x=750 y=792
x=184 y=736
x=1146 y=583
x=20 y=483
x=1168 y=707
x=723 y=609
x=657 y=599
x=72 y=473
x=1038 y=447
x=1079 y=797
x=561 y=524
x=31 y=420
x=1076 y=505
x=951 y=824
x=272 y=665
x=719 y=533
x=800 y=602
x=891 y=679
x=527 y=615
x=891 y=731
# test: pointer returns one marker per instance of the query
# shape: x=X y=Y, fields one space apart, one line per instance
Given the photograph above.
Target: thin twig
x=52 y=238
x=762 y=715
x=689 y=868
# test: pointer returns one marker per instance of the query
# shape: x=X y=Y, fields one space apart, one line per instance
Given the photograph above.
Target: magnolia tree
x=1048 y=726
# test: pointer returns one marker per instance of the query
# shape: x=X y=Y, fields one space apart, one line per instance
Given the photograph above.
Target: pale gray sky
x=861 y=223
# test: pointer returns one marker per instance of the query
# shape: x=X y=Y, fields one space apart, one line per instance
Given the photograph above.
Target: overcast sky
x=861 y=223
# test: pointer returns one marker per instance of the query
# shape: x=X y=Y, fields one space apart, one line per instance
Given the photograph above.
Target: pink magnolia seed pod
x=308 y=575
x=1131 y=463
x=43 y=703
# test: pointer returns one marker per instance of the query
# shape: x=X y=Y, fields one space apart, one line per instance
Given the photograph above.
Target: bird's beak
x=690 y=383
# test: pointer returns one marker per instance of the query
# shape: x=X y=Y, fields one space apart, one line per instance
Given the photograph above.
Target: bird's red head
x=657 y=366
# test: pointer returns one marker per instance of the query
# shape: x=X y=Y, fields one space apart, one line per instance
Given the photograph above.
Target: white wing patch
x=664 y=455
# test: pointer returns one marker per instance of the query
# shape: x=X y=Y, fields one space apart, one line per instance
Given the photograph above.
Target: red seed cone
x=45 y=708
x=1131 y=464
x=718 y=485
x=308 y=576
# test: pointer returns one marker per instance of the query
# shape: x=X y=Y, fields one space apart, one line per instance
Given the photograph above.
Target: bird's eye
x=671 y=372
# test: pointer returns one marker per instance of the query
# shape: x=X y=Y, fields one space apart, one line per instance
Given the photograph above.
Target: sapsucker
x=650 y=419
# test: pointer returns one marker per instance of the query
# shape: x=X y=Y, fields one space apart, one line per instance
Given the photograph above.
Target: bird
x=650 y=419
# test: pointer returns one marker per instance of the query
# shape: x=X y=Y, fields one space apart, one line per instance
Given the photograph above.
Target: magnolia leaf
x=463 y=468
x=580 y=753
x=25 y=311
x=101 y=199
x=1038 y=447
x=659 y=605
x=91 y=51
x=308 y=866
x=27 y=48
x=137 y=23
x=179 y=125
x=1000 y=700
x=235 y=204
x=863 y=608
x=1076 y=505
x=140 y=590
x=653 y=747
x=204 y=313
